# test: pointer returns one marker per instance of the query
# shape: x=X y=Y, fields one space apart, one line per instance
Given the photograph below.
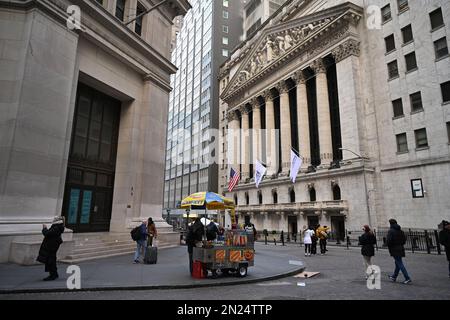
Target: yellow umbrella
x=207 y=201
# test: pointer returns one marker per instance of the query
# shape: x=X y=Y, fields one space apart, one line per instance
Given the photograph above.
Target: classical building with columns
x=361 y=92
x=83 y=118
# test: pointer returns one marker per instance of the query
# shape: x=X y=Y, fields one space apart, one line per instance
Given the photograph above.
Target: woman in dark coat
x=49 y=247
x=396 y=240
x=367 y=241
x=444 y=239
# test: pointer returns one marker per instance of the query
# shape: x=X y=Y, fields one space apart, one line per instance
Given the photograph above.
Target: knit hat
x=366 y=228
x=445 y=223
x=392 y=221
x=58 y=220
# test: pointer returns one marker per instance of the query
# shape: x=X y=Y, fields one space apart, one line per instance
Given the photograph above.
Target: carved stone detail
x=349 y=48
x=319 y=66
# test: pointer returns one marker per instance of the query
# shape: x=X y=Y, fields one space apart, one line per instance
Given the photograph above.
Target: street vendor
x=194 y=236
x=250 y=227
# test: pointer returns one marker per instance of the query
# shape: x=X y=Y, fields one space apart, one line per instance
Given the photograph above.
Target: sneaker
x=393 y=279
x=407 y=281
x=136 y=261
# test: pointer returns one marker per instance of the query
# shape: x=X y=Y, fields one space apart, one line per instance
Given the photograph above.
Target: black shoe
x=51 y=277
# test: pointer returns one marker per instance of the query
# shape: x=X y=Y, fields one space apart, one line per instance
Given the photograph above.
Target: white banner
x=296 y=164
x=260 y=171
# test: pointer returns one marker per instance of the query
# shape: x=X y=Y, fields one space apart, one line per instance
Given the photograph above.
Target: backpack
x=136 y=233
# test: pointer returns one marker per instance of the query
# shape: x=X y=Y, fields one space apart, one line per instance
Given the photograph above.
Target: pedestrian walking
x=307 y=240
x=141 y=242
x=152 y=232
x=367 y=241
x=444 y=239
x=49 y=247
x=322 y=234
x=396 y=240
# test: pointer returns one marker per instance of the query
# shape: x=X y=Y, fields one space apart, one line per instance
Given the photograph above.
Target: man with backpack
x=211 y=231
x=139 y=234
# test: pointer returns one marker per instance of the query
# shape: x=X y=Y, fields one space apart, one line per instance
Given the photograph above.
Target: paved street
x=341 y=278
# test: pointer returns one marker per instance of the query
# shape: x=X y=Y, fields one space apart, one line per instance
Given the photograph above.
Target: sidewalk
x=171 y=272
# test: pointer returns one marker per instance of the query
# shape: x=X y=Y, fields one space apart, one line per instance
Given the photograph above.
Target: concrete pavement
x=171 y=271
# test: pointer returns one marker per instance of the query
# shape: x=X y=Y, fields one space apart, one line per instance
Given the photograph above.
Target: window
x=260 y=198
x=225 y=3
x=247 y=199
x=138 y=25
x=120 y=9
x=407 y=34
x=393 y=69
x=398 y=108
x=411 y=63
x=275 y=197
x=445 y=89
x=441 y=48
x=312 y=194
x=386 y=13
x=225 y=29
x=225 y=52
x=225 y=14
x=390 y=43
x=436 y=19
x=402 y=5
x=225 y=40
x=421 y=138
x=416 y=102
x=337 y=193
x=402 y=143
x=448 y=131
x=292 y=195
x=252 y=7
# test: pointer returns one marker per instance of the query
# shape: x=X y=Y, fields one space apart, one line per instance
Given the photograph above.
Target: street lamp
x=365 y=181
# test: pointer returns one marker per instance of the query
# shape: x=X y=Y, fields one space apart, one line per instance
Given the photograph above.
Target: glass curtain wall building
x=210 y=31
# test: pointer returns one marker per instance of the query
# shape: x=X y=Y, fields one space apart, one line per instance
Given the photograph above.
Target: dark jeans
x=307 y=248
x=399 y=266
x=190 y=262
x=323 y=245
x=50 y=266
x=314 y=248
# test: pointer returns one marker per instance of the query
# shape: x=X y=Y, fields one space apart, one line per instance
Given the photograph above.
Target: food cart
x=235 y=253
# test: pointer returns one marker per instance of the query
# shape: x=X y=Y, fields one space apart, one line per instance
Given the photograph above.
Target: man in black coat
x=50 y=245
x=194 y=235
x=444 y=239
x=396 y=240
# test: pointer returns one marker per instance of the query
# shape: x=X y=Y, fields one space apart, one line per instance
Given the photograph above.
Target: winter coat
x=50 y=244
x=322 y=233
x=444 y=239
x=396 y=240
x=152 y=230
x=307 y=238
x=367 y=241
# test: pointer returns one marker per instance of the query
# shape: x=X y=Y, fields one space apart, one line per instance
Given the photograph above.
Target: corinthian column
x=256 y=132
x=271 y=136
x=285 y=127
x=233 y=140
x=303 y=119
x=245 y=143
x=323 y=113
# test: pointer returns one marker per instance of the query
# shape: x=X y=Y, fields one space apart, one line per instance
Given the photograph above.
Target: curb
x=156 y=287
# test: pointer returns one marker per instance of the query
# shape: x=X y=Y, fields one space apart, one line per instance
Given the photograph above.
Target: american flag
x=234 y=178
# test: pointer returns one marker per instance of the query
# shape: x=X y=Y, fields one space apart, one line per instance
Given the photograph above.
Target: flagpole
x=296 y=151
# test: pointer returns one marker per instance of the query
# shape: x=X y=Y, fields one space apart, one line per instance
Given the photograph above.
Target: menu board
x=73 y=206
x=86 y=207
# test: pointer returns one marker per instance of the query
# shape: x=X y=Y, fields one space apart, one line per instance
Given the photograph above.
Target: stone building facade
x=83 y=116
x=362 y=93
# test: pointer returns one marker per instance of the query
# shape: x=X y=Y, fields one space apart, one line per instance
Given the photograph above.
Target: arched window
x=260 y=198
x=275 y=196
x=235 y=199
x=312 y=194
x=247 y=200
x=292 y=195
x=336 y=192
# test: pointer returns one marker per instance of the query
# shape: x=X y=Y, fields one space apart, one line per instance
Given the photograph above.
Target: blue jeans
x=141 y=244
x=400 y=267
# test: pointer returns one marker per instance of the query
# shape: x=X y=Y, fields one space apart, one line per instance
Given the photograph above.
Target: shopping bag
x=155 y=243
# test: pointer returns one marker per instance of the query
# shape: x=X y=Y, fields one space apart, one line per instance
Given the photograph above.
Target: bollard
x=438 y=244
x=427 y=238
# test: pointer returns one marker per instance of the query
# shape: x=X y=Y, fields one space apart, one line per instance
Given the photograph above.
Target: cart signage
x=220 y=255
x=235 y=255
x=249 y=255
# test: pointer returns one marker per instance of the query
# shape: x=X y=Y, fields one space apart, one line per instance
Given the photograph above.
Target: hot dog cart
x=234 y=255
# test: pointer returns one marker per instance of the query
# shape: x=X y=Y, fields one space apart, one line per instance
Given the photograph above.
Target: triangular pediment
x=283 y=40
